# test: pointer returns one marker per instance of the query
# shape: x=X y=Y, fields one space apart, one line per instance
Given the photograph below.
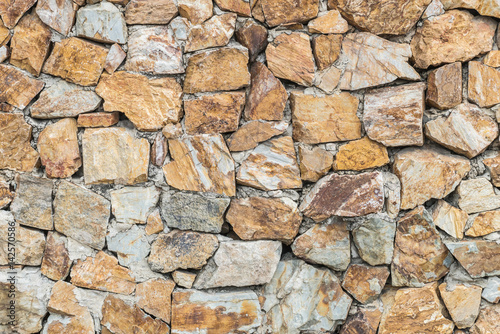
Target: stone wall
x=271 y=166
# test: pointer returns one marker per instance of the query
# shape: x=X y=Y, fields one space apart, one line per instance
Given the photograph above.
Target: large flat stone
x=250 y=134
x=16 y=152
x=278 y=12
x=17 y=88
x=59 y=15
x=132 y=205
x=483 y=85
x=479 y=257
x=102 y=22
x=131 y=245
x=150 y=11
x=444 y=86
x=477 y=195
x=374 y=240
x=462 y=301
x=216 y=31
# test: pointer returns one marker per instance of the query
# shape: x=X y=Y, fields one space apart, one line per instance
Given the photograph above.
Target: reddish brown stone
x=253 y=36
x=444 y=86
x=56 y=262
x=150 y=11
x=98 y=119
x=364 y=321
x=278 y=12
x=159 y=150
x=241 y=7
x=326 y=49
x=365 y=283
x=16 y=88
x=12 y=10
x=479 y=257
x=250 y=134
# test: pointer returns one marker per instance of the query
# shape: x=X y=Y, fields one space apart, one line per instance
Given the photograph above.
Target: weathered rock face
x=324 y=119
x=330 y=22
x=484 y=83
x=217 y=31
x=484 y=223
x=493 y=164
x=487 y=321
x=6 y=195
x=222 y=312
x=364 y=321
x=320 y=307
x=114 y=155
x=159 y=150
x=314 y=163
x=250 y=134
x=374 y=61
x=444 y=86
x=240 y=7
x=102 y=22
x=11 y=11
x=16 y=88
x=491 y=291
x=326 y=49
x=288 y=11
x=154 y=224
x=56 y=262
x=59 y=15
x=154 y=297
x=492 y=58
x=333 y=196
x=450 y=219
x=325 y=244
x=98 y=120
x=290 y=57
x=485 y=8
x=132 y=205
x=201 y=163
x=427 y=173
x=253 y=36
x=240 y=263
x=365 y=283
x=184 y=278
x=454 y=36
x=361 y=154
x=196 y=11
x=115 y=57
x=131 y=245
x=374 y=240
x=462 y=301
x=479 y=257
x=477 y=195
x=150 y=12
x=258 y=218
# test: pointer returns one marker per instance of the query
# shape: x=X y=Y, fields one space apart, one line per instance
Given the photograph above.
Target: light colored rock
x=98 y=119
x=479 y=257
x=184 y=278
x=361 y=154
x=328 y=79
x=154 y=224
x=374 y=240
x=365 y=283
x=4 y=54
x=150 y=11
x=477 y=195
x=153 y=296
x=488 y=320
x=444 y=86
x=172 y=131
x=130 y=246
x=493 y=165
x=79 y=251
x=16 y=152
x=102 y=22
x=17 y=88
x=449 y=218
x=484 y=223
x=253 y=36
x=132 y=205
x=12 y=10
x=483 y=85
x=5 y=35
x=250 y=134
x=326 y=49
x=59 y=15
x=330 y=22
x=462 y=301
x=196 y=11
x=216 y=31
x=491 y=291
x=278 y=12
x=56 y=262
x=314 y=163
x=484 y=7
x=114 y=59
x=492 y=58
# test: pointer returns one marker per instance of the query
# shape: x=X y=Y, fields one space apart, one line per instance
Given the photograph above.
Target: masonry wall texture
x=249 y=166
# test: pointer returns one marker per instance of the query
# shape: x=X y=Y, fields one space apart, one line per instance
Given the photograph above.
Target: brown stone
x=172 y=131
x=201 y=163
x=150 y=11
x=16 y=88
x=218 y=113
x=488 y=321
x=267 y=97
x=324 y=119
x=12 y=10
x=196 y=11
x=16 y=152
x=103 y=273
x=250 y=134
x=485 y=223
x=365 y=283
x=454 y=36
x=154 y=224
x=492 y=58
x=6 y=195
x=149 y=103
x=77 y=61
x=328 y=79
x=484 y=84
x=290 y=57
x=184 y=278
x=364 y=321
x=314 y=163
x=59 y=151
x=449 y=219
x=278 y=12
x=56 y=262
x=114 y=59
x=214 y=70
x=253 y=36
x=30 y=44
x=333 y=196
x=154 y=297
x=241 y=7
x=462 y=301
x=330 y=22
x=216 y=31
x=361 y=154
x=427 y=173
x=5 y=34
x=479 y=257
x=159 y=150
x=59 y=15
x=444 y=86
x=257 y=218
x=326 y=49
x=98 y=119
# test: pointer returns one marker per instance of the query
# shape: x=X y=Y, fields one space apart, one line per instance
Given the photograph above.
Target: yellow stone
x=361 y=154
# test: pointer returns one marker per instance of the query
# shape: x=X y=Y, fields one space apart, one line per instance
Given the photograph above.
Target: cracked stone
x=250 y=134
x=56 y=262
x=462 y=301
x=16 y=88
x=479 y=257
x=216 y=31
x=374 y=240
x=477 y=195
x=365 y=283
x=132 y=205
x=314 y=164
x=102 y=22
x=59 y=15
x=483 y=85
x=130 y=246
x=444 y=86
x=449 y=218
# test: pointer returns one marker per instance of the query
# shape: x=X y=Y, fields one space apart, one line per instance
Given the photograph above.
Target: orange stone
x=98 y=119
x=361 y=154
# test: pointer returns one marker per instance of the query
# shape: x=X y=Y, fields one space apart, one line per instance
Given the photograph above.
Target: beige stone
x=56 y=262
x=5 y=34
x=479 y=257
x=326 y=49
x=59 y=15
x=12 y=10
x=492 y=58
x=101 y=22
x=253 y=36
x=154 y=297
x=114 y=59
x=449 y=218
x=484 y=7
x=240 y=7
x=314 y=163
x=444 y=86
x=361 y=154
x=462 y=301
x=328 y=79
x=184 y=278
x=196 y=11
x=16 y=88
x=477 y=195
x=488 y=320
x=493 y=164
x=154 y=223
x=6 y=195
x=484 y=84
x=278 y=12
x=150 y=11
x=98 y=119
x=172 y=131
x=250 y=134
x=330 y=22
x=132 y=205
x=365 y=283
x=216 y=31
x=485 y=223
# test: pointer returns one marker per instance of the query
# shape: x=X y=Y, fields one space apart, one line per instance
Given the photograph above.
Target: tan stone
x=324 y=119
x=258 y=218
x=250 y=134
x=172 y=131
x=5 y=34
x=361 y=154
x=241 y=7
x=56 y=262
x=16 y=88
x=427 y=173
x=184 y=278
x=290 y=57
x=454 y=36
x=30 y=44
x=449 y=218
x=374 y=61
x=477 y=195
x=115 y=57
x=488 y=321
x=278 y=12
x=462 y=301
x=77 y=61
x=196 y=11
x=98 y=119
x=267 y=97
x=16 y=152
x=328 y=79
x=444 y=86
x=12 y=10
x=253 y=36
x=216 y=31
x=271 y=166
x=364 y=321
x=103 y=273
x=314 y=163
x=114 y=155
x=150 y=11
x=211 y=114
x=6 y=195
x=330 y=22
x=207 y=71
x=365 y=283
x=149 y=103
x=154 y=224
x=484 y=7
x=492 y=58
x=201 y=163
x=483 y=85
x=59 y=15
x=326 y=49
x=154 y=297
x=485 y=223
x=493 y=164
x=479 y=257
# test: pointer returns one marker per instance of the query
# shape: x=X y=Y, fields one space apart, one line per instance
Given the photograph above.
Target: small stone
x=484 y=84
x=204 y=215
x=318 y=309
x=330 y=22
x=361 y=154
x=154 y=224
x=365 y=283
x=154 y=50
x=207 y=71
x=12 y=10
x=488 y=320
x=77 y=61
x=454 y=36
x=325 y=244
x=153 y=296
x=81 y=214
x=98 y=119
x=216 y=31
x=181 y=250
x=196 y=11
x=64 y=99
x=132 y=205
x=326 y=49
x=224 y=312
x=201 y=163
x=450 y=219
x=172 y=131
x=374 y=240
x=328 y=79
x=479 y=257
x=462 y=301
x=485 y=8
x=333 y=196
x=427 y=173
x=150 y=11
x=16 y=88
x=56 y=262
x=267 y=97
x=102 y=273
x=492 y=59
x=271 y=166
x=374 y=61
x=278 y=12
x=114 y=155
x=324 y=119
x=183 y=278
x=364 y=321
x=6 y=195
x=493 y=165
x=314 y=164
x=211 y=114
x=59 y=15
x=491 y=292
x=4 y=55
x=290 y=57
x=250 y=134
x=130 y=245
x=32 y=205
x=30 y=44
x=241 y=7
x=5 y=34
x=444 y=86
x=16 y=152
x=159 y=150
x=102 y=22
x=253 y=36
x=257 y=218
x=477 y=195
x=115 y=58
x=240 y=263
x=484 y=223
x=435 y=8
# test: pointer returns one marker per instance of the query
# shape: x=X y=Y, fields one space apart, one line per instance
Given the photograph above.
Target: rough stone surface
x=240 y=7
x=154 y=297
x=150 y=11
x=278 y=12
x=196 y=11
x=492 y=58
x=250 y=134
x=462 y=301
x=487 y=321
x=491 y=292
x=374 y=240
x=115 y=57
x=314 y=163
x=479 y=257
x=484 y=83
x=98 y=120
x=449 y=218
x=132 y=205
x=361 y=154
x=154 y=224
x=59 y=15
x=16 y=88
x=484 y=223
x=6 y=195
x=102 y=22
x=365 y=283
x=184 y=278
x=56 y=262
x=493 y=164
x=253 y=36
x=131 y=245
x=16 y=152
x=216 y=31
x=444 y=86
x=326 y=49
x=364 y=321
x=477 y=195
x=12 y=10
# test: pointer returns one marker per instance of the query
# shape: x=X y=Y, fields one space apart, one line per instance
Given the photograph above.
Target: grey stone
x=491 y=291
x=374 y=240
x=132 y=205
x=102 y=22
x=131 y=245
